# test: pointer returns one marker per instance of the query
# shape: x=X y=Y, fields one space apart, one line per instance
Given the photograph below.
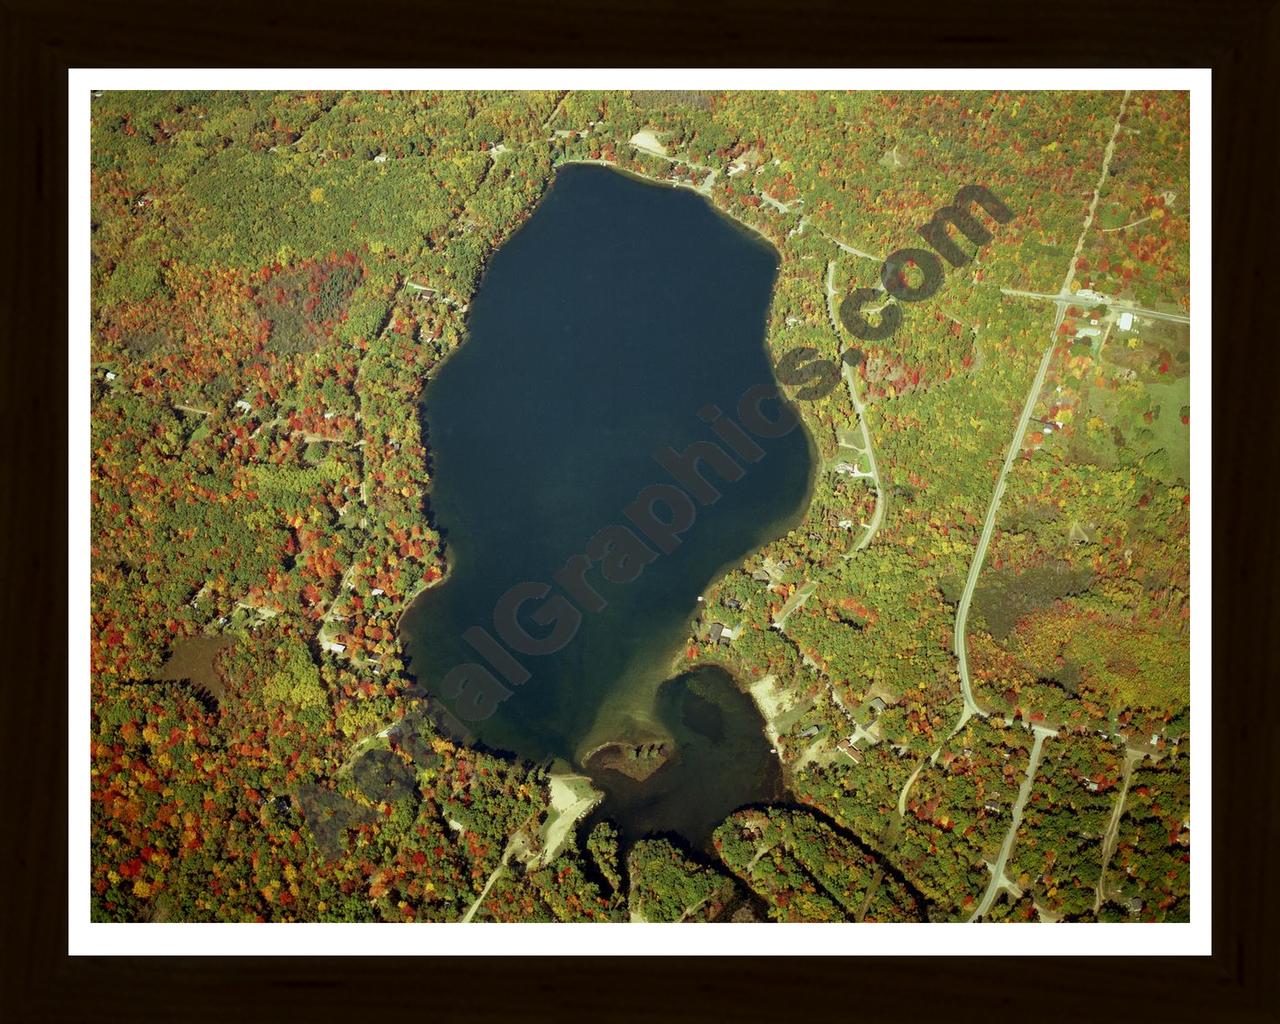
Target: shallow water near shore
x=601 y=329
x=720 y=761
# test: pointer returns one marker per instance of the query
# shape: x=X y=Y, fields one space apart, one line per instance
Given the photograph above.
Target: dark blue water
x=601 y=329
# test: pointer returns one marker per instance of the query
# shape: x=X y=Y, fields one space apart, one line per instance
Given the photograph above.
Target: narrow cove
x=622 y=320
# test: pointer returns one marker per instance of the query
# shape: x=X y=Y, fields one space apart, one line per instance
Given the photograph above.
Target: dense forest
x=275 y=276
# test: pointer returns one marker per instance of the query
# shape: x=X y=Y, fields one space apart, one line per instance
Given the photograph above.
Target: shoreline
x=768 y=712
x=570 y=807
x=646 y=731
x=706 y=194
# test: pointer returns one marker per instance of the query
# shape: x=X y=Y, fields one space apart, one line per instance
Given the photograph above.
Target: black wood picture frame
x=1239 y=39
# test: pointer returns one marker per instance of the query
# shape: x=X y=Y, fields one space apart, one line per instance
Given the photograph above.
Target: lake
x=622 y=319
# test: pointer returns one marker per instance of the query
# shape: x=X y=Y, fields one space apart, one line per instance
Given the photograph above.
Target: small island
x=637 y=761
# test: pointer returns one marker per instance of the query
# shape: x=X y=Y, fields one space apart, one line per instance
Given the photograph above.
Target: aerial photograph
x=632 y=506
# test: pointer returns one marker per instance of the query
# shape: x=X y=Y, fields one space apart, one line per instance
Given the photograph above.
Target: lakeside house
x=722 y=634
x=748 y=161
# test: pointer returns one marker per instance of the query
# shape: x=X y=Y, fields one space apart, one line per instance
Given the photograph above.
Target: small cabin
x=722 y=634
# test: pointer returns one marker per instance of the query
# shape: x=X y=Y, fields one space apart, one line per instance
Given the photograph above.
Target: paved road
x=849 y=248
x=988 y=528
x=882 y=500
x=998 y=880
x=1015 y=446
x=1066 y=299
x=906 y=788
x=850 y=379
x=971 y=708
